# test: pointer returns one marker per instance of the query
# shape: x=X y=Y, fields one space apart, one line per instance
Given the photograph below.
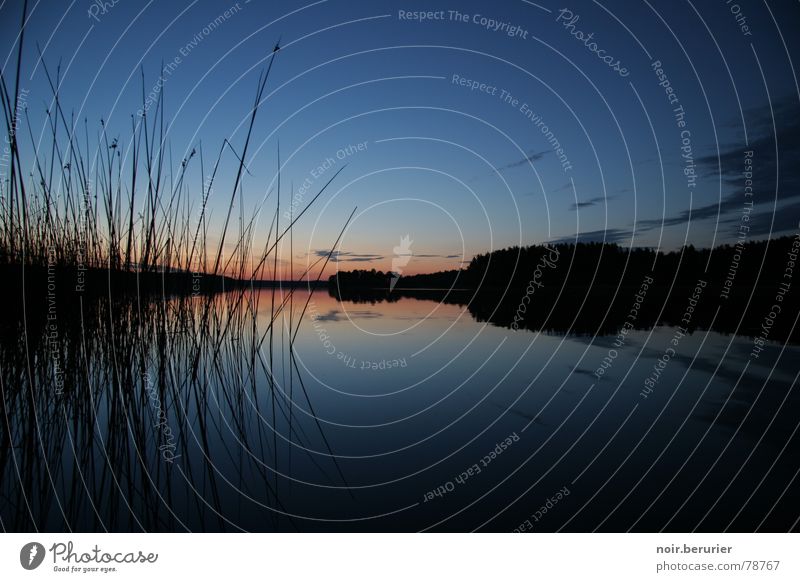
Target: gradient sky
x=459 y=171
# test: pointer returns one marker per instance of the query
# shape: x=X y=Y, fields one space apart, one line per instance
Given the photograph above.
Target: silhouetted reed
x=138 y=391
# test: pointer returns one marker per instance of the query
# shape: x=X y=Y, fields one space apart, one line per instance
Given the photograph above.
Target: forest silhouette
x=590 y=287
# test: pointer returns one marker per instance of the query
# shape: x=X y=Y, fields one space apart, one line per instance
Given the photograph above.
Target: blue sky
x=461 y=171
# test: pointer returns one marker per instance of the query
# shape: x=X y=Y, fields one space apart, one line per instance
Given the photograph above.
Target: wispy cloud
x=566 y=186
x=531 y=157
x=610 y=235
x=784 y=218
x=351 y=257
x=590 y=202
x=336 y=315
x=346 y=256
x=769 y=185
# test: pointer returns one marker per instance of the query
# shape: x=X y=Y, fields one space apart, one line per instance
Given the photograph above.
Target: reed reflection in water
x=227 y=412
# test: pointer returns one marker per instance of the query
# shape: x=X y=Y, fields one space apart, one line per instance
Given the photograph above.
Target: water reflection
x=405 y=413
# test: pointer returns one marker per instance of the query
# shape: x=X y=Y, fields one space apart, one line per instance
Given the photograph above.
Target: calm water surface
x=412 y=415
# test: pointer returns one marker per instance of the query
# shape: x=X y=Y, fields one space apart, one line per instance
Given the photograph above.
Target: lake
x=408 y=414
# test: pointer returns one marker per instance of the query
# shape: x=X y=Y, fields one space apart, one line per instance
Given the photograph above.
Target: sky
x=481 y=126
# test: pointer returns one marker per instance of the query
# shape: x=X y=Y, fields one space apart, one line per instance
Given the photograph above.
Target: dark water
x=403 y=415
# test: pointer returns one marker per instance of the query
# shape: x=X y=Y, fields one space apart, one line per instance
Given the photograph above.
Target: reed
x=150 y=398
